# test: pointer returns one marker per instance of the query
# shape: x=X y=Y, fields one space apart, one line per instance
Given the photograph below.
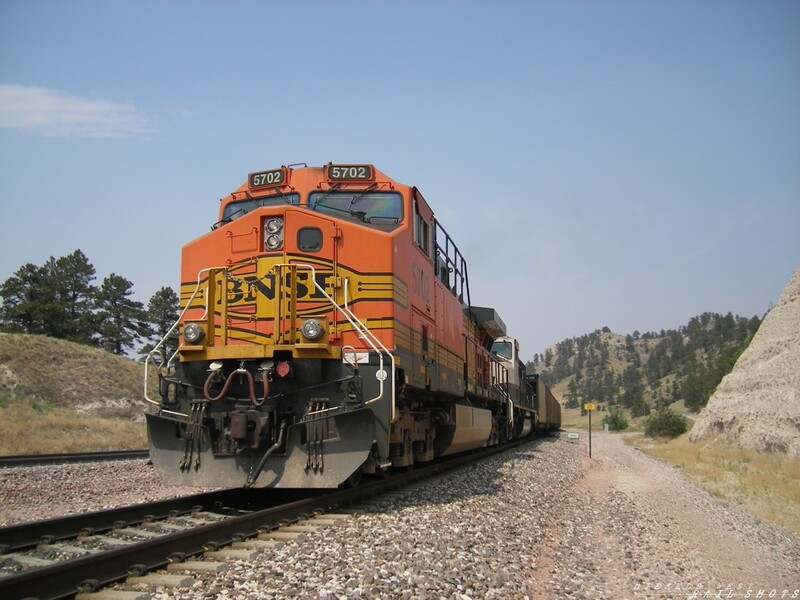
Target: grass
x=65 y=374
x=765 y=483
x=56 y=396
x=35 y=428
x=571 y=418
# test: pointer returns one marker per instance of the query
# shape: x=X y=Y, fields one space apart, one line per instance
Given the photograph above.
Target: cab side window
x=421 y=232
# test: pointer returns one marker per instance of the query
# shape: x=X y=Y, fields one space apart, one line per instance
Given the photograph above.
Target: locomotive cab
x=522 y=414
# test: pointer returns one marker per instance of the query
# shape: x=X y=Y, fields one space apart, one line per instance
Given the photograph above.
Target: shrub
x=615 y=420
x=666 y=423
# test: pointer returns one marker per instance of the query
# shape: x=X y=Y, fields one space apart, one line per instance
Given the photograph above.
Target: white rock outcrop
x=757 y=405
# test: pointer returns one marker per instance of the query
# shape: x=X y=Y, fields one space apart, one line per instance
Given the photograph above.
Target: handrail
x=158 y=346
x=500 y=377
x=365 y=334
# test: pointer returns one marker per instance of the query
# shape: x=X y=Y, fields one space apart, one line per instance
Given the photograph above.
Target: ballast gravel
x=539 y=522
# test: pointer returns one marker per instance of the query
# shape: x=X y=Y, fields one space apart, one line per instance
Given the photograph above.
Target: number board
x=351 y=172
x=267 y=178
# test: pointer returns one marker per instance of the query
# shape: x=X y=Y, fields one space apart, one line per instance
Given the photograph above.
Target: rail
x=67 y=578
x=31 y=460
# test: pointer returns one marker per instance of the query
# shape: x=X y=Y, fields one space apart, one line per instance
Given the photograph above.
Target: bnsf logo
x=245 y=289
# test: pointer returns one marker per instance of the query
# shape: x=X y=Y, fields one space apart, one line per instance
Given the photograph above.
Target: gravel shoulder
x=540 y=522
x=44 y=492
x=636 y=528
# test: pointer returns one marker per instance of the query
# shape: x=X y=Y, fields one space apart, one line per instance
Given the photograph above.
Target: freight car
x=548 y=409
x=326 y=331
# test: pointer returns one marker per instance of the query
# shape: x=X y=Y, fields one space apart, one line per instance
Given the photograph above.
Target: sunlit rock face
x=757 y=405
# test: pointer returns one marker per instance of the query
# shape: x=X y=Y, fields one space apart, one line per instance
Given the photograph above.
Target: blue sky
x=622 y=164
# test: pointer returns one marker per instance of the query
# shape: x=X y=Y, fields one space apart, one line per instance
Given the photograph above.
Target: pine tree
x=70 y=278
x=573 y=398
x=634 y=389
x=122 y=322
x=162 y=313
x=55 y=299
x=22 y=301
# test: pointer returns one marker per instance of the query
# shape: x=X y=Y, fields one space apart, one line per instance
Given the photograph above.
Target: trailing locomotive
x=526 y=389
x=326 y=331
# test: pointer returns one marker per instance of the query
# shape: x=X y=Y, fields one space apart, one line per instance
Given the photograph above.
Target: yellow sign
x=589 y=406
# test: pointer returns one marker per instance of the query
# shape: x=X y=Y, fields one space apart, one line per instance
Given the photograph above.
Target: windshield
x=502 y=349
x=234 y=210
x=383 y=210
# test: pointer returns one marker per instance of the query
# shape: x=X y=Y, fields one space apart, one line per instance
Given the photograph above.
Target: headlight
x=312 y=329
x=273 y=242
x=273 y=234
x=193 y=333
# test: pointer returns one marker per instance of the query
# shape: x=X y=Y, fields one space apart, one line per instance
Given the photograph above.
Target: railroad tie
x=161 y=579
x=114 y=595
x=198 y=566
x=281 y=535
x=235 y=553
x=258 y=544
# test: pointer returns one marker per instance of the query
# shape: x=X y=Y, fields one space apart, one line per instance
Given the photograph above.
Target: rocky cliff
x=757 y=405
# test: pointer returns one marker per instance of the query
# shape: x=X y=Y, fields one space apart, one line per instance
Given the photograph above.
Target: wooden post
x=589 y=407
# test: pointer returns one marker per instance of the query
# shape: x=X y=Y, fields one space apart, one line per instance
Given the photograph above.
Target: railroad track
x=59 y=558
x=31 y=460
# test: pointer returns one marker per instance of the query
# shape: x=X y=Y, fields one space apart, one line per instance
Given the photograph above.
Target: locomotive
x=326 y=331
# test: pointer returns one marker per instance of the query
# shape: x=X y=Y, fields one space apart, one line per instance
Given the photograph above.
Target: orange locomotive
x=326 y=332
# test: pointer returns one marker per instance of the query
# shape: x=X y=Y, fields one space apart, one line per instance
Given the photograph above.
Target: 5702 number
x=350 y=172
x=274 y=177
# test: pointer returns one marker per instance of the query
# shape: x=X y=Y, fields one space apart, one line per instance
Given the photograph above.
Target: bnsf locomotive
x=326 y=331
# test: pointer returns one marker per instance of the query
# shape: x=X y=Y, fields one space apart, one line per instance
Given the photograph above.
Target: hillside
x=757 y=405
x=58 y=396
x=644 y=372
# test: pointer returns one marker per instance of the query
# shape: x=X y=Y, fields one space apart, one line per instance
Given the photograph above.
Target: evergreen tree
x=629 y=347
x=162 y=313
x=634 y=389
x=610 y=386
x=573 y=399
x=70 y=281
x=55 y=299
x=640 y=407
x=22 y=311
x=122 y=322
